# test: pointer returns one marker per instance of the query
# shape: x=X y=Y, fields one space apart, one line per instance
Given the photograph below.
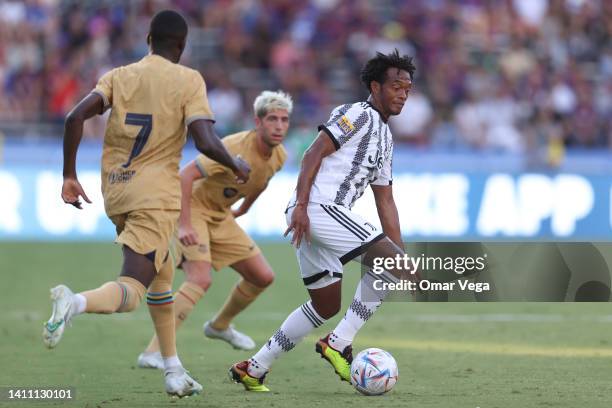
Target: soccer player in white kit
x=354 y=149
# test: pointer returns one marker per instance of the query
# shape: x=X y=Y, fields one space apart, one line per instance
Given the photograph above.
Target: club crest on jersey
x=229 y=192
x=345 y=125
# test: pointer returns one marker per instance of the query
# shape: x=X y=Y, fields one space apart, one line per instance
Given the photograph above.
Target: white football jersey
x=363 y=156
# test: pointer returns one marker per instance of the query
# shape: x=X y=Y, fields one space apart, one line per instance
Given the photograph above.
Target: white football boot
x=237 y=339
x=180 y=384
x=62 y=299
x=151 y=360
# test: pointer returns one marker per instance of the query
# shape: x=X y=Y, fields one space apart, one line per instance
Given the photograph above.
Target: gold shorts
x=221 y=243
x=147 y=232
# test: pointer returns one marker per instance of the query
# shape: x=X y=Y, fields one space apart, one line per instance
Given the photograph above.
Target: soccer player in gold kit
x=208 y=235
x=152 y=102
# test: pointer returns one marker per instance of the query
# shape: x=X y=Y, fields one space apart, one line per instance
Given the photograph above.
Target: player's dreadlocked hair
x=376 y=68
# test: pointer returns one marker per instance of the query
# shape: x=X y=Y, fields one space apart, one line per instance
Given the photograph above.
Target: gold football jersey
x=152 y=101
x=218 y=190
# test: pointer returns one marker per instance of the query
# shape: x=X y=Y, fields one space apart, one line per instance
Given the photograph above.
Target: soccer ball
x=374 y=372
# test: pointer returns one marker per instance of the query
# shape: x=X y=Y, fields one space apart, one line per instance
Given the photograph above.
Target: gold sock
x=161 y=309
x=134 y=292
x=122 y=295
x=243 y=294
x=184 y=301
x=163 y=320
x=105 y=299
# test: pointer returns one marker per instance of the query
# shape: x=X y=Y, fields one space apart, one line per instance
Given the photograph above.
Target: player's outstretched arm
x=387 y=213
x=389 y=219
x=89 y=106
x=207 y=142
x=314 y=155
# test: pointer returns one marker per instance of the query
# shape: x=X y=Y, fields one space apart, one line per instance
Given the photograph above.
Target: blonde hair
x=268 y=101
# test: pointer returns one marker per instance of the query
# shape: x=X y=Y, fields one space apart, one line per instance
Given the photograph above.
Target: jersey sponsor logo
x=229 y=192
x=121 y=176
x=345 y=125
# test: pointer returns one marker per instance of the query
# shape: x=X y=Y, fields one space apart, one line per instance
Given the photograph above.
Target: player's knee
x=198 y=273
x=202 y=280
x=132 y=294
x=265 y=279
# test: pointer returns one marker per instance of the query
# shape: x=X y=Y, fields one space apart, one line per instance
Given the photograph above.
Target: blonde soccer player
x=209 y=236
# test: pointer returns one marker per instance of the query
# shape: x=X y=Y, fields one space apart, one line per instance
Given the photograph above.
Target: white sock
x=79 y=303
x=172 y=362
x=365 y=303
x=296 y=326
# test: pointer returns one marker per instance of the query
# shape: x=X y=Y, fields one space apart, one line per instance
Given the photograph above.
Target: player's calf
x=132 y=294
x=327 y=300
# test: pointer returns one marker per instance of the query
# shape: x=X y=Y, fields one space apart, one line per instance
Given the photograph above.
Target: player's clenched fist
x=243 y=170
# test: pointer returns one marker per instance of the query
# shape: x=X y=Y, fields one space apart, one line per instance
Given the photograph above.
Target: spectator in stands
x=516 y=56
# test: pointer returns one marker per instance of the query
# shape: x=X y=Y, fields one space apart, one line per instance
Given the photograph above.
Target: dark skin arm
x=300 y=223
x=89 y=106
x=389 y=219
x=209 y=144
x=387 y=213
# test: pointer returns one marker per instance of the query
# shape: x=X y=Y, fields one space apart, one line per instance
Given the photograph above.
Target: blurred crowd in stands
x=501 y=75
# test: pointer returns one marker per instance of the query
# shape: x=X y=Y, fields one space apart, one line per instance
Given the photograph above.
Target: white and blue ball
x=374 y=372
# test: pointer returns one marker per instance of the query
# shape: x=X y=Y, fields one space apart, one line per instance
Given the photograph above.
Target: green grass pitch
x=449 y=355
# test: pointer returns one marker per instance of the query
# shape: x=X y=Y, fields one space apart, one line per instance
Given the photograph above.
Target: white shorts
x=337 y=237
